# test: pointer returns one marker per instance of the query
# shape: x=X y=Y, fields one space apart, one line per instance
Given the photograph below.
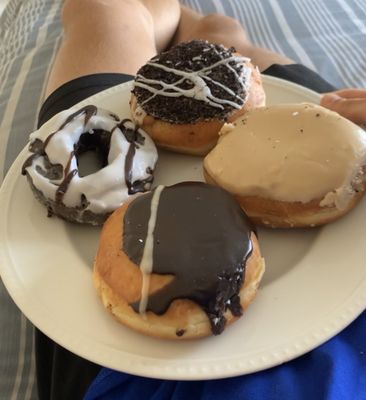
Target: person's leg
x=166 y=16
x=217 y=28
x=224 y=30
x=111 y=36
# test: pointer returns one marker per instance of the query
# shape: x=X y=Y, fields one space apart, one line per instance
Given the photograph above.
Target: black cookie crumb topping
x=191 y=57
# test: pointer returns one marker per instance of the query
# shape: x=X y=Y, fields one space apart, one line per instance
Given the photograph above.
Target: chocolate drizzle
x=82 y=203
x=99 y=141
x=61 y=190
x=192 y=81
x=134 y=138
x=38 y=148
x=89 y=111
x=202 y=238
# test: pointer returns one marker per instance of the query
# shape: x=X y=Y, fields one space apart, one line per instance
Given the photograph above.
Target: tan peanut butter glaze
x=292 y=153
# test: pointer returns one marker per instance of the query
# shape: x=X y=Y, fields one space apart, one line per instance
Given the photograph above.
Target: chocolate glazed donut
x=196 y=239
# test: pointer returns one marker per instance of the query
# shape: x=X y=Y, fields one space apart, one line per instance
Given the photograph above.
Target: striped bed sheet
x=328 y=36
x=2 y=5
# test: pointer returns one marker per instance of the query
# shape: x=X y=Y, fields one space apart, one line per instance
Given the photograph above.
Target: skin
x=351 y=103
x=121 y=36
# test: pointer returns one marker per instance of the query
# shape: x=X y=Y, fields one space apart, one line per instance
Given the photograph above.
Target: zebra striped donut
x=128 y=157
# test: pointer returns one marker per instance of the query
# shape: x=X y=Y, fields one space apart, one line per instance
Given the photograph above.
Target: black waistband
x=79 y=89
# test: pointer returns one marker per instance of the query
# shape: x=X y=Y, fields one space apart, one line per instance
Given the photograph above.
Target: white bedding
x=3 y=3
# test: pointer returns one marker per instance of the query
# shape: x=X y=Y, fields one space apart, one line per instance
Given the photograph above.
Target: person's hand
x=350 y=103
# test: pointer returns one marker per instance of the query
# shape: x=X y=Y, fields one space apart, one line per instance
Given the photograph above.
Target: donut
x=126 y=154
x=180 y=262
x=183 y=96
x=297 y=165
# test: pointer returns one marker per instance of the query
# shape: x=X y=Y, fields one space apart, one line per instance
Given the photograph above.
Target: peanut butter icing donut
x=293 y=165
x=183 y=96
x=127 y=154
x=180 y=262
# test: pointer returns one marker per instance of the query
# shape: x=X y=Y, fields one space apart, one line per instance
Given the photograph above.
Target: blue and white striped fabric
x=29 y=31
x=328 y=36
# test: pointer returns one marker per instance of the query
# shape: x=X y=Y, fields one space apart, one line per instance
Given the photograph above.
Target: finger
x=351 y=93
x=353 y=109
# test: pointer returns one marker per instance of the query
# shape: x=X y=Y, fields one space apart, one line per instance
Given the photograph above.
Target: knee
x=221 y=23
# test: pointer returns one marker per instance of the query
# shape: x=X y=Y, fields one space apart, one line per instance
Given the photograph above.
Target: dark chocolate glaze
x=202 y=238
x=88 y=111
x=191 y=56
x=36 y=146
x=61 y=190
x=180 y=332
x=134 y=138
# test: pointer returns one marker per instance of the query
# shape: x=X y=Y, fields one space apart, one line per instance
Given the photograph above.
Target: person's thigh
x=102 y=36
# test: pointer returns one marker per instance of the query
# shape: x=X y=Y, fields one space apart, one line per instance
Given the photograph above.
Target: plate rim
x=146 y=366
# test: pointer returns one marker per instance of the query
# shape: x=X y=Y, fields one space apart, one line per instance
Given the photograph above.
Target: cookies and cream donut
x=291 y=165
x=183 y=96
x=128 y=157
x=180 y=262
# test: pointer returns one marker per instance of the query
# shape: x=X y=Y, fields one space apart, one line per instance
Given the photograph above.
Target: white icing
x=200 y=90
x=138 y=115
x=106 y=189
x=146 y=264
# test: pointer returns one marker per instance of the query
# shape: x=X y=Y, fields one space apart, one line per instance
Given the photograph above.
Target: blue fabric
x=334 y=371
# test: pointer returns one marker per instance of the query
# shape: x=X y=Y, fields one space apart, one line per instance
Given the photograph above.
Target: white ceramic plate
x=315 y=282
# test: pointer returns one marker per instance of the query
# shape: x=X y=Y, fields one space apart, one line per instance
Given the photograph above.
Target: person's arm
x=350 y=103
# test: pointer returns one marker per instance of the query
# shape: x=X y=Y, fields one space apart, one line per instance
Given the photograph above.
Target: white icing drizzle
x=138 y=115
x=200 y=90
x=106 y=189
x=146 y=264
